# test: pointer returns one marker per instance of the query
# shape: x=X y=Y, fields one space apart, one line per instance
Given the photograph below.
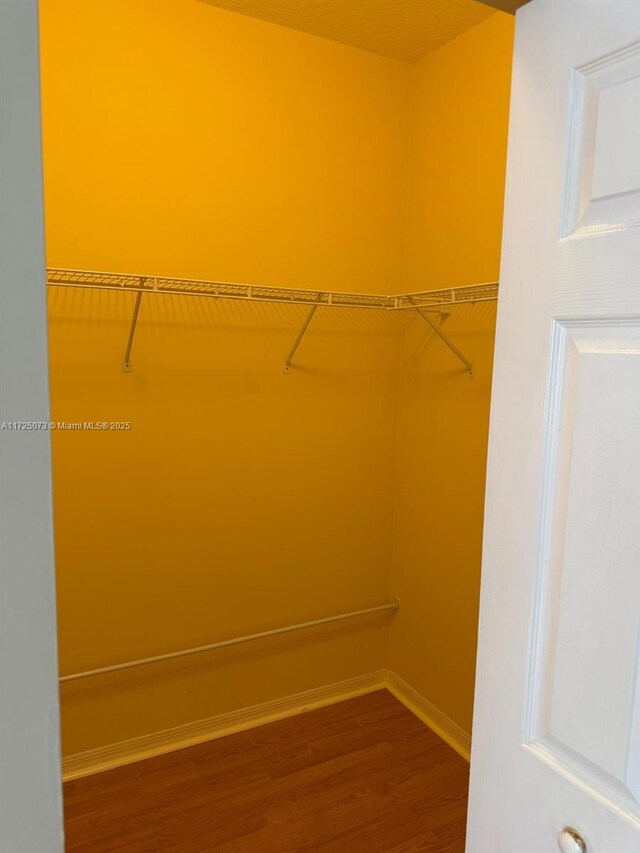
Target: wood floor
x=364 y=776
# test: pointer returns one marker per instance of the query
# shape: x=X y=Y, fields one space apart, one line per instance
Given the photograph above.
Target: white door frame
x=30 y=775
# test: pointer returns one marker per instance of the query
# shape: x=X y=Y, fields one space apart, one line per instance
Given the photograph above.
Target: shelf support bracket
x=126 y=363
x=454 y=349
x=301 y=334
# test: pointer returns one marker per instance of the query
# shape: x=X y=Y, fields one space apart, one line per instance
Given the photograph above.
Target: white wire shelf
x=212 y=289
x=420 y=303
x=261 y=293
x=486 y=292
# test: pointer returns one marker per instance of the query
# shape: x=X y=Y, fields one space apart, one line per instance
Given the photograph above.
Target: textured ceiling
x=403 y=29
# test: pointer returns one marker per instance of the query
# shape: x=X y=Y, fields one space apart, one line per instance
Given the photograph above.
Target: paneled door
x=556 y=738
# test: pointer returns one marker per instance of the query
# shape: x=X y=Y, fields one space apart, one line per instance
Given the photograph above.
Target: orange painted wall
x=456 y=166
x=183 y=140
x=190 y=141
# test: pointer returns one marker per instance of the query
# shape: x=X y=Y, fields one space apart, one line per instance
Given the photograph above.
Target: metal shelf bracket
x=301 y=334
x=126 y=362
x=447 y=340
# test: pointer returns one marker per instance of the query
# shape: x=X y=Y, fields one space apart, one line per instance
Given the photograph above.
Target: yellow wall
x=184 y=140
x=189 y=141
x=456 y=169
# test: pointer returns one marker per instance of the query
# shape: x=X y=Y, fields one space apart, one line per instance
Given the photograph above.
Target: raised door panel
x=584 y=700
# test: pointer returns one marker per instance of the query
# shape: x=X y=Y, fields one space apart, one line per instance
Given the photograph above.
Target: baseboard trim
x=158 y=743
x=433 y=717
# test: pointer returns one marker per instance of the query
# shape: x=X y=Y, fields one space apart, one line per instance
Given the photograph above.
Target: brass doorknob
x=570 y=841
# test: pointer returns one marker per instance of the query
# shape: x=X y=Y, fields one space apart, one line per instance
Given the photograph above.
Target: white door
x=30 y=788
x=556 y=739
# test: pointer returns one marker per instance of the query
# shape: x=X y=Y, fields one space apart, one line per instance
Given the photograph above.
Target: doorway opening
x=273 y=264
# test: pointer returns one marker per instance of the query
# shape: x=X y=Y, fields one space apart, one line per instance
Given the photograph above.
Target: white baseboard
x=442 y=725
x=158 y=743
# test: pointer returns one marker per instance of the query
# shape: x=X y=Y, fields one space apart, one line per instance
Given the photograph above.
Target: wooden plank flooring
x=363 y=776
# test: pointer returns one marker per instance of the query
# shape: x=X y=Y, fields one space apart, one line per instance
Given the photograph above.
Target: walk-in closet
x=273 y=238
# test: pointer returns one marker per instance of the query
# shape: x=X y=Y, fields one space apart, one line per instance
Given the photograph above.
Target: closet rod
x=236 y=641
